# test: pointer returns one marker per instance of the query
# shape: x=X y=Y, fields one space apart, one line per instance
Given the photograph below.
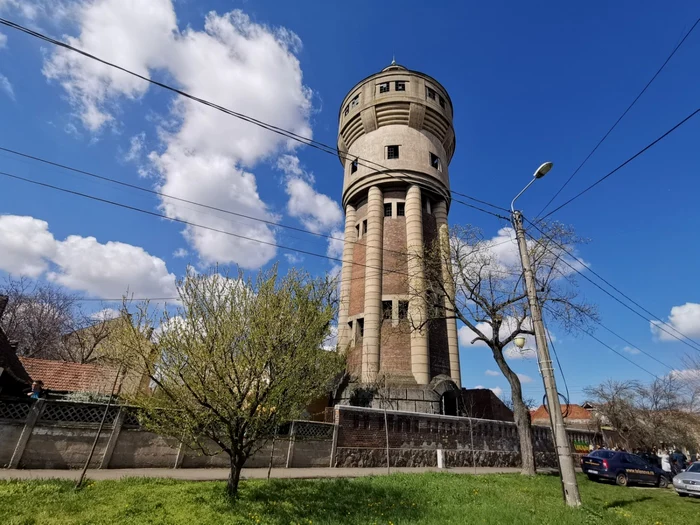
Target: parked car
x=622 y=467
x=687 y=483
x=651 y=458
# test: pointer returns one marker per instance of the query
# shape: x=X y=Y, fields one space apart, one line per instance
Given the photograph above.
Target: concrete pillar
x=31 y=420
x=113 y=437
x=440 y=212
x=373 y=284
x=344 y=334
x=420 y=359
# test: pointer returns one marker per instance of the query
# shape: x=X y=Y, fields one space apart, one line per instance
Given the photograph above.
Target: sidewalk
x=216 y=474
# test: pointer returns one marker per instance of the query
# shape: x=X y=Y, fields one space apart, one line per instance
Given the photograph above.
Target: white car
x=687 y=483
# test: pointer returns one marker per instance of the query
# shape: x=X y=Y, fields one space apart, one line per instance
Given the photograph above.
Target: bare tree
x=648 y=415
x=490 y=299
x=236 y=359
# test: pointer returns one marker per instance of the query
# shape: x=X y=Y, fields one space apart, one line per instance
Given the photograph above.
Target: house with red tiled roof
x=62 y=377
x=575 y=416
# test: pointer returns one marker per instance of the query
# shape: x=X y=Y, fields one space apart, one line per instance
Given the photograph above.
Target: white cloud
x=26 y=245
x=180 y=253
x=3 y=40
x=492 y=373
x=524 y=378
x=106 y=314
x=684 y=319
x=631 y=350
x=6 y=86
x=81 y=263
x=137 y=143
x=316 y=211
x=233 y=61
x=688 y=374
x=293 y=258
x=496 y=390
x=335 y=245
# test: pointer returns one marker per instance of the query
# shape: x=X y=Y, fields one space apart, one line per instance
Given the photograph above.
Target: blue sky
x=529 y=81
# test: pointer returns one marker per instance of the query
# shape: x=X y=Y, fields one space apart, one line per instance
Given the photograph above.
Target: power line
x=270 y=127
x=648 y=146
x=563 y=248
x=620 y=117
x=588 y=333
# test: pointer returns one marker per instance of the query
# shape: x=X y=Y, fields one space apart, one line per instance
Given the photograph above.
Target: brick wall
x=395 y=348
x=395 y=265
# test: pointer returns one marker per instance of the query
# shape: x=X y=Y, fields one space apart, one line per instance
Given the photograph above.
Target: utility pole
x=561 y=440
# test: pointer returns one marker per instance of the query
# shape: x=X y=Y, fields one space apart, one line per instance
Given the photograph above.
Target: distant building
x=575 y=416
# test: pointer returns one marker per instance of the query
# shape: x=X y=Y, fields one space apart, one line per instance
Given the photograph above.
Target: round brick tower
x=395 y=141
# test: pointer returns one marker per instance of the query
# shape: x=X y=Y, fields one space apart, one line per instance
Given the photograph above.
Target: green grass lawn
x=436 y=498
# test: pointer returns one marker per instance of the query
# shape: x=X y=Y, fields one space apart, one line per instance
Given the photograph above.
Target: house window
x=360 y=327
x=400 y=85
x=353 y=166
x=347 y=110
x=384 y=87
x=355 y=101
x=387 y=209
x=435 y=162
x=386 y=309
x=403 y=309
x=442 y=102
x=400 y=209
x=430 y=93
x=392 y=152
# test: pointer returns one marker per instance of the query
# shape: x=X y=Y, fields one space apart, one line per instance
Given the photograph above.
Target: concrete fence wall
x=58 y=434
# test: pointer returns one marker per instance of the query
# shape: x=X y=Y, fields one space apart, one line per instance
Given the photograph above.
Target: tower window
x=392 y=152
x=387 y=209
x=355 y=101
x=400 y=209
x=364 y=226
x=384 y=87
x=400 y=85
x=435 y=162
x=359 y=233
x=347 y=110
x=360 y=327
x=430 y=93
x=353 y=166
x=386 y=309
x=403 y=309
x=442 y=102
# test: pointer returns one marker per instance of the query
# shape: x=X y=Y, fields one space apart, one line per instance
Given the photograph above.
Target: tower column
x=344 y=334
x=420 y=360
x=373 y=284
x=440 y=211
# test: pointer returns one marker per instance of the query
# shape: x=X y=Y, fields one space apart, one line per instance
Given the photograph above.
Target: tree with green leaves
x=234 y=359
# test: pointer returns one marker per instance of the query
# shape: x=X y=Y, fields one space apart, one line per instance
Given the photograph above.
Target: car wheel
x=663 y=482
x=592 y=477
x=621 y=479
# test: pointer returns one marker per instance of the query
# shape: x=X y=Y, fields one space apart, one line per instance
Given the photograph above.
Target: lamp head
x=519 y=342
x=543 y=170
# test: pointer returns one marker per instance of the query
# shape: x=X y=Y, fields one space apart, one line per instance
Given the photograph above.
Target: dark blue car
x=622 y=467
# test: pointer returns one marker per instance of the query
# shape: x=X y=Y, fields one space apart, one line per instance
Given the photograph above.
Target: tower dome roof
x=394 y=66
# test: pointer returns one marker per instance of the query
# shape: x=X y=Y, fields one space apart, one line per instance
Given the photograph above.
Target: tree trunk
x=521 y=414
x=234 y=476
x=522 y=423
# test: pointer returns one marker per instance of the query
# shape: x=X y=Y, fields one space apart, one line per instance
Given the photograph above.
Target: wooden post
x=290 y=448
x=32 y=418
x=113 y=437
x=180 y=455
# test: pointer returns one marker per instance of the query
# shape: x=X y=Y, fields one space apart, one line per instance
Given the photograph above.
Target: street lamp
x=561 y=440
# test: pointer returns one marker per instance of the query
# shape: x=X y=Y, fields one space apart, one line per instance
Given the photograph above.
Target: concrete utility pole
x=561 y=440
